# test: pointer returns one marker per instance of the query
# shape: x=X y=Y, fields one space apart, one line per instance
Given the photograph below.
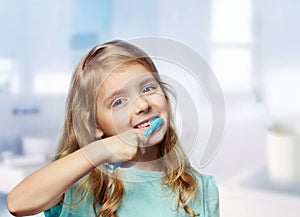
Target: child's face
x=128 y=97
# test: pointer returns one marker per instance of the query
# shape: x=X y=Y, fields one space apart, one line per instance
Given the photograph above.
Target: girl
x=114 y=94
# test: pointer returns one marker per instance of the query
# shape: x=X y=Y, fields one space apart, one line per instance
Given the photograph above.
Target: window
x=9 y=76
x=232 y=44
x=51 y=83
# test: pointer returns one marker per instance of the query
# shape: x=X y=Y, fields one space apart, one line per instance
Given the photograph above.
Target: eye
x=148 y=89
x=118 y=102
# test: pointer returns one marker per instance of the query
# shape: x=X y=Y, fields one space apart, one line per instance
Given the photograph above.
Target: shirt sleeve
x=53 y=211
x=70 y=207
x=211 y=198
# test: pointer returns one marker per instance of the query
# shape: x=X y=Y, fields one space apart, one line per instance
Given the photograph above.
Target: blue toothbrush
x=154 y=124
x=111 y=167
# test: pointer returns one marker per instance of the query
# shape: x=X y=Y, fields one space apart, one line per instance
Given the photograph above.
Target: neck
x=149 y=159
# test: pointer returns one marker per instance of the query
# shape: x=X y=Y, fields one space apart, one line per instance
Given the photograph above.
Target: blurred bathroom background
x=252 y=46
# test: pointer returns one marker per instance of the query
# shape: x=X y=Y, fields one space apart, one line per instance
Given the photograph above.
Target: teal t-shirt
x=145 y=196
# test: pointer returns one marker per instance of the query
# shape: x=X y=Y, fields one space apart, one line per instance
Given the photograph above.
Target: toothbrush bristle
x=154 y=124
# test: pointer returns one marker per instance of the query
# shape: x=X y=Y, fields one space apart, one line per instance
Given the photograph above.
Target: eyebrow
x=146 y=80
x=111 y=95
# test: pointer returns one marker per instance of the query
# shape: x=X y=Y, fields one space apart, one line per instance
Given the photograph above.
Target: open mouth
x=144 y=124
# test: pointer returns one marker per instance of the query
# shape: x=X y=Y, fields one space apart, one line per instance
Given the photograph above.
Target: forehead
x=122 y=77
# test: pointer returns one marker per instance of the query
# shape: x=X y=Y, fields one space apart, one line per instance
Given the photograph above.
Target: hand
x=123 y=147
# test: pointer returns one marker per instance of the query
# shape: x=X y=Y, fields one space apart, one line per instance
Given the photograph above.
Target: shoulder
x=208 y=191
x=207 y=182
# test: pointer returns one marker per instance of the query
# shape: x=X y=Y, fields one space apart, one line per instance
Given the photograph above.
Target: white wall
x=279 y=29
x=279 y=53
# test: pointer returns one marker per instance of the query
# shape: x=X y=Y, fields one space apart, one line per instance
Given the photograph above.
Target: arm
x=44 y=188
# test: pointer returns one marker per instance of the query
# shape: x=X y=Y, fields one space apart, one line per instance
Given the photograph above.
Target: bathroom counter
x=252 y=194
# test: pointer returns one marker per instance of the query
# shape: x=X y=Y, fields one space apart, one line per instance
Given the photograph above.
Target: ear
x=99 y=133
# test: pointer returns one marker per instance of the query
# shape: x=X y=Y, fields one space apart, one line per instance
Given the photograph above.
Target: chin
x=155 y=139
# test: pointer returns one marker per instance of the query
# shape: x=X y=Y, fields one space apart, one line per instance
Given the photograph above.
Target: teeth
x=146 y=124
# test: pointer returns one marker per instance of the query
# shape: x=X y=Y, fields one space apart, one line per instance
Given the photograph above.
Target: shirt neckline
x=136 y=175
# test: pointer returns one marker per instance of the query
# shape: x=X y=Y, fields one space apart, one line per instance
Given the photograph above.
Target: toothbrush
x=154 y=124
x=111 y=167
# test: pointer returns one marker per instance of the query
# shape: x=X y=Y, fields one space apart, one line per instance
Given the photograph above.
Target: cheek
x=165 y=108
x=120 y=121
x=161 y=102
x=115 y=122
x=112 y=122
x=104 y=121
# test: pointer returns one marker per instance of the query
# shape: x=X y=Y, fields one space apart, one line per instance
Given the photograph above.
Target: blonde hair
x=80 y=127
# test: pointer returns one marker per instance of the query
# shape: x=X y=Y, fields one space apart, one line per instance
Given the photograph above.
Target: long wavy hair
x=80 y=127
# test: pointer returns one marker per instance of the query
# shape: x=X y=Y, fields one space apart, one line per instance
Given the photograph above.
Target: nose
x=141 y=105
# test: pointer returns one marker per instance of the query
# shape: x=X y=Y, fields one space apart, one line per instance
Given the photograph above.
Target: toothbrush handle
x=111 y=167
x=154 y=125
